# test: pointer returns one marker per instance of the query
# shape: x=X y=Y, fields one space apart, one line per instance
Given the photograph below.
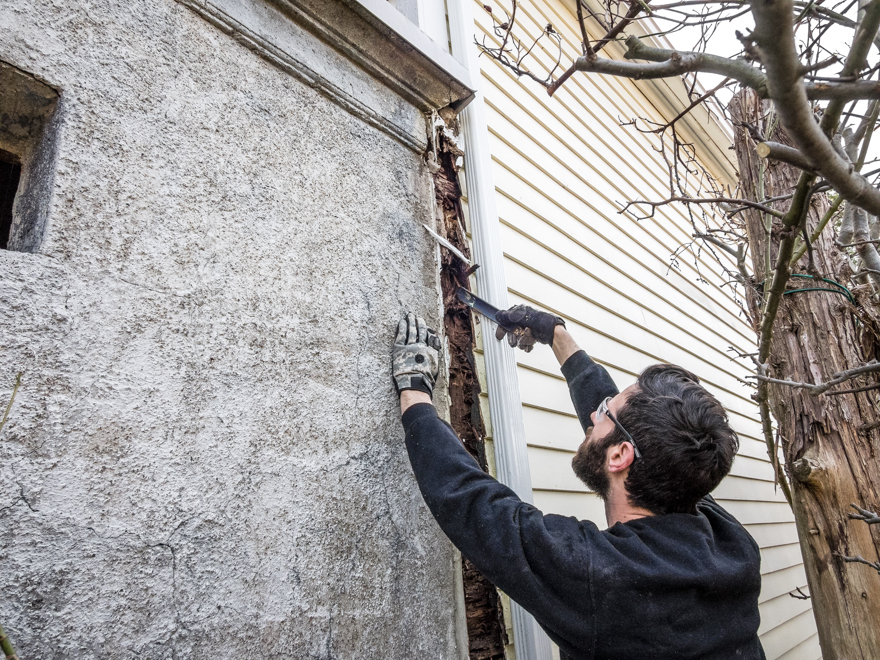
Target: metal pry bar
x=449 y=246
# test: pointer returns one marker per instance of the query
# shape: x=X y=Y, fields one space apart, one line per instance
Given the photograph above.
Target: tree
x=799 y=236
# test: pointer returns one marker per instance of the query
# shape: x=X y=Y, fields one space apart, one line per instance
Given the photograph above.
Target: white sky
x=724 y=42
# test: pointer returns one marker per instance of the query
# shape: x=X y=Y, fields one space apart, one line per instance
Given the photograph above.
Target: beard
x=589 y=465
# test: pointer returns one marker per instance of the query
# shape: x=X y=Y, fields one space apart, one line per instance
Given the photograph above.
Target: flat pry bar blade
x=478 y=304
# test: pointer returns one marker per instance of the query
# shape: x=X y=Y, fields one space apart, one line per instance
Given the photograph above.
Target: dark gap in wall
x=28 y=146
x=485 y=618
x=10 y=174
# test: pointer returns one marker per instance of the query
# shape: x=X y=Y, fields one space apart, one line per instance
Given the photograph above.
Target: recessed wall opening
x=10 y=174
x=28 y=131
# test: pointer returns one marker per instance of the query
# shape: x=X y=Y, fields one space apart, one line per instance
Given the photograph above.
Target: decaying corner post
x=485 y=620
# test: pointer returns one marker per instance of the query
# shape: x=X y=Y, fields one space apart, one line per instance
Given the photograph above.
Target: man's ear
x=620 y=457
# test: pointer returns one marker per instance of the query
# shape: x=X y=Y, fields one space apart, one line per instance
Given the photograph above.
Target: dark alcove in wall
x=28 y=128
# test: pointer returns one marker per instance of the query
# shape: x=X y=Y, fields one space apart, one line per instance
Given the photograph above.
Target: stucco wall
x=205 y=459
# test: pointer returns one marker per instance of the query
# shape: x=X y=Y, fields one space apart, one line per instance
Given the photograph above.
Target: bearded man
x=673 y=576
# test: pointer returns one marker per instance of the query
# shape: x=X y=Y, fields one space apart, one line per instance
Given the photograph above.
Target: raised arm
x=588 y=382
x=529 y=556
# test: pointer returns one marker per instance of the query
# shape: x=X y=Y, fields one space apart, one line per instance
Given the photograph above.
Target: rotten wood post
x=485 y=619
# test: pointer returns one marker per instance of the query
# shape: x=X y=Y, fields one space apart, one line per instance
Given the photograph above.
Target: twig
x=874 y=241
x=855 y=390
x=590 y=53
x=811 y=263
x=859 y=560
x=820 y=65
x=11 y=400
x=800 y=595
x=511 y=52
x=585 y=39
x=820 y=388
x=695 y=103
x=762 y=398
x=703 y=200
x=6 y=645
x=864 y=515
x=823 y=222
x=739 y=253
x=782 y=271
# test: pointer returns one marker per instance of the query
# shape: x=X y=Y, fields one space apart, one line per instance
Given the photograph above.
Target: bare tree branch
x=774 y=35
x=820 y=388
x=842 y=91
x=866 y=251
x=512 y=52
x=668 y=63
x=784 y=154
x=590 y=53
x=702 y=200
x=858 y=559
x=762 y=397
x=873 y=241
x=868 y=517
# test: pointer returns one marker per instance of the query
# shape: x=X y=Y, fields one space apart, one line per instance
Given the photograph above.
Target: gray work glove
x=524 y=326
x=415 y=356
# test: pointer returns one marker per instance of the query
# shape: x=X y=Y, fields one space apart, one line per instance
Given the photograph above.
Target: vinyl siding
x=563 y=169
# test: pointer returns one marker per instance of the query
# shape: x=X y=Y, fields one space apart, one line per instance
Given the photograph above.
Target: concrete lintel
x=381 y=40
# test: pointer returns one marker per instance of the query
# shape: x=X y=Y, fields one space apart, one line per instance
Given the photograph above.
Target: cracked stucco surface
x=205 y=459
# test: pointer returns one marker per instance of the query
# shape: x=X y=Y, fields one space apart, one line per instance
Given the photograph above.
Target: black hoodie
x=674 y=586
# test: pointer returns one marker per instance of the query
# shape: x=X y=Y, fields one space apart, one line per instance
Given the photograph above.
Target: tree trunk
x=829 y=442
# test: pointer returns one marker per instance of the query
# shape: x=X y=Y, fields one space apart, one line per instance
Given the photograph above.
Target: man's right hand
x=524 y=325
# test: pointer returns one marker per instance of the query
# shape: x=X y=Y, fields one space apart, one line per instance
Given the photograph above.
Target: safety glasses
x=603 y=410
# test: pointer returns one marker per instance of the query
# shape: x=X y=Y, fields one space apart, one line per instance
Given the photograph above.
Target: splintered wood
x=485 y=621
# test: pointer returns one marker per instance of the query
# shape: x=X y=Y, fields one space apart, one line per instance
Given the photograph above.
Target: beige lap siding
x=562 y=169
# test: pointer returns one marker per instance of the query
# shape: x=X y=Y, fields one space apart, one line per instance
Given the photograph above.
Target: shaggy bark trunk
x=829 y=442
x=485 y=620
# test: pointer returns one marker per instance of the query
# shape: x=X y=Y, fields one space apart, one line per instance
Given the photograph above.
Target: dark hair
x=684 y=437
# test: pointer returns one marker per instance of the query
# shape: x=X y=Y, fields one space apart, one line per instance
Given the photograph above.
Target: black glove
x=525 y=325
x=415 y=356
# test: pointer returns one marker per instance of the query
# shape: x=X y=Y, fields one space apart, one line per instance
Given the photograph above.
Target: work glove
x=524 y=326
x=415 y=356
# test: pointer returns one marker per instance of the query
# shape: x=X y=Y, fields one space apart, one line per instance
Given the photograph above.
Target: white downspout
x=505 y=407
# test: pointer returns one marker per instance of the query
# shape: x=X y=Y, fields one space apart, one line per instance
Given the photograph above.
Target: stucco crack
x=25 y=499
x=164 y=292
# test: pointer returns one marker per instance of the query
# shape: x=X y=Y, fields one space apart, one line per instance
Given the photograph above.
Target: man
x=673 y=577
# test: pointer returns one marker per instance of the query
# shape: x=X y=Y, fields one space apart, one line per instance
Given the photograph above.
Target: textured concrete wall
x=205 y=458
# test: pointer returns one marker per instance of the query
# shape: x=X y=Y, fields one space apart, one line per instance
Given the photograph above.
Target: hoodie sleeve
x=588 y=384
x=533 y=558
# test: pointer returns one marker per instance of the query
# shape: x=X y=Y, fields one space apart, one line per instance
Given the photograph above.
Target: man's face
x=590 y=461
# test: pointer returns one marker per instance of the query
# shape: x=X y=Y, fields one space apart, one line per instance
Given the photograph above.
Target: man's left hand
x=415 y=356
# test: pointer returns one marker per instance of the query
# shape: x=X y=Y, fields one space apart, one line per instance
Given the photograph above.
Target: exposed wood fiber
x=485 y=623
